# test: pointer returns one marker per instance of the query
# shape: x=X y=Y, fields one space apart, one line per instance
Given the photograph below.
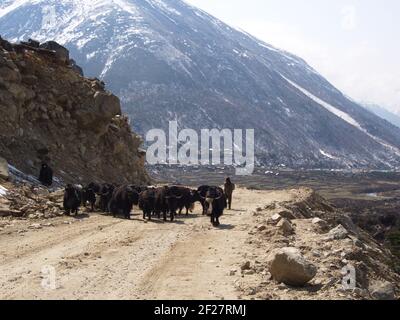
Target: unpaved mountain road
x=100 y=257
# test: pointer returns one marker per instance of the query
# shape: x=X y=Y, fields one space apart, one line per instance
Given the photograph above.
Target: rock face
x=3 y=169
x=287 y=265
x=49 y=112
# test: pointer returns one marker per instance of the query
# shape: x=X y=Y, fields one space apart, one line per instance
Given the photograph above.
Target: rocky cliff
x=50 y=112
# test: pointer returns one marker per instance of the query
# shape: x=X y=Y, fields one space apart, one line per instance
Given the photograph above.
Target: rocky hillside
x=299 y=246
x=170 y=61
x=50 y=112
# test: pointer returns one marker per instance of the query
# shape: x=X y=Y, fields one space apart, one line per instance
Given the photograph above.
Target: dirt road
x=100 y=257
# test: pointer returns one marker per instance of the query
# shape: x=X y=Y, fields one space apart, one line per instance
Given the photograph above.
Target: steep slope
x=384 y=114
x=170 y=61
x=49 y=112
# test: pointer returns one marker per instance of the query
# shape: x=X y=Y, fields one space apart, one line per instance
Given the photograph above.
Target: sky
x=355 y=44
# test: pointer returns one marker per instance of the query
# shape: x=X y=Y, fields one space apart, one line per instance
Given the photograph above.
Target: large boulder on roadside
x=289 y=266
x=4 y=174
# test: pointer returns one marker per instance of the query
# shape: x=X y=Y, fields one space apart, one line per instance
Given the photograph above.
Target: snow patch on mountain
x=15 y=5
x=343 y=115
x=161 y=4
x=326 y=154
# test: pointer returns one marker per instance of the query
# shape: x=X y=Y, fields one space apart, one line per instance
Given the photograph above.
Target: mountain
x=384 y=113
x=170 y=61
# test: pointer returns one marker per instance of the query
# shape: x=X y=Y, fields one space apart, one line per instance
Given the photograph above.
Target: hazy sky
x=355 y=44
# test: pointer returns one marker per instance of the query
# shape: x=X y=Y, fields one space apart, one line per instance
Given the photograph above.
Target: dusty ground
x=99 y=257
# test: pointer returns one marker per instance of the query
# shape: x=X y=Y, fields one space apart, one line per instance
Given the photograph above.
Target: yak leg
x=127 y=214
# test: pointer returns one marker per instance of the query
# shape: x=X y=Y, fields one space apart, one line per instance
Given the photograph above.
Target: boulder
x=275 y=218
x=246 y=266
x=288 y=265
x=320 y=224
x=4 y=174
x=34 y=43
x=261 y=228
x=338 y=233
x=285 y=227
x=75 y=67
x=383 y=291
x=346 y=221
x=287 y=215
x=6 y=45
x=107 y=104
x=62 y=53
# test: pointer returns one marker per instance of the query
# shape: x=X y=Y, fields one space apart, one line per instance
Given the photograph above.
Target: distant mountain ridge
x=170 y=61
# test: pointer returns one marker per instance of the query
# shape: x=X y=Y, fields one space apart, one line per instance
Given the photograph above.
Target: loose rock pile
x=31 y=202
x=309 y=256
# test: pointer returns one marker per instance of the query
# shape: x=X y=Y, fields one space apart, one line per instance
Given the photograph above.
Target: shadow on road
x=226 y=227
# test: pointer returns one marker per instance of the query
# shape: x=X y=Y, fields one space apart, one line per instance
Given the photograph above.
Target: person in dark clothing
x=229 y=187
x=46 y=175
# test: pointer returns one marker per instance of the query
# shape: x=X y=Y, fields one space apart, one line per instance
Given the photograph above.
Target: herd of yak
x=153 y=201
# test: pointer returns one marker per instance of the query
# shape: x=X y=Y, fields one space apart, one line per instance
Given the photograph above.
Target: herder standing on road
x=229 y=187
